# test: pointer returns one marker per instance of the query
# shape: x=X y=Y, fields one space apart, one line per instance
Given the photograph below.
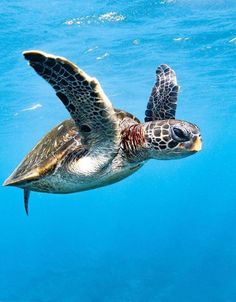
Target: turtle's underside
x=100 y=145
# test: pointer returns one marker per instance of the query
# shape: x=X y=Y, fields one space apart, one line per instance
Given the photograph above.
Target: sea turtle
x=100 y=145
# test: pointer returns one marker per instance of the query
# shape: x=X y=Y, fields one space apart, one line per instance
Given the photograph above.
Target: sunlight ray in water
x=33 y=107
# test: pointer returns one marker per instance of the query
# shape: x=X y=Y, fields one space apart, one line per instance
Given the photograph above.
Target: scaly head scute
x=171 y=139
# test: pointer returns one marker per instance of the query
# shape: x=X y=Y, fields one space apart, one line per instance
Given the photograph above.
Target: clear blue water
x=166 y=234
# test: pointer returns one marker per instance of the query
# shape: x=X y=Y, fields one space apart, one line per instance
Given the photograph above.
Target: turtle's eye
x=180 y=134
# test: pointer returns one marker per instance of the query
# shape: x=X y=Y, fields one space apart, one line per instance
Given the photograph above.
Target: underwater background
x=165 y=234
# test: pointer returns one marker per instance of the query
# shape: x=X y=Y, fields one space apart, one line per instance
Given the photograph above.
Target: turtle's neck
x=133 y=143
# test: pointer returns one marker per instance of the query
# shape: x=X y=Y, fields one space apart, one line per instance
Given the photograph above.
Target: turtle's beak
x=197 y=145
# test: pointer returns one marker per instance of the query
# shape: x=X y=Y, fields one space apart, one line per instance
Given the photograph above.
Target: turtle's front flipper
x=163 y=100
x=83 y=97
x=26 y=200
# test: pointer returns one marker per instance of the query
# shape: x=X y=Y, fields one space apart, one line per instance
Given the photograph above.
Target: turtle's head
x=172 y=139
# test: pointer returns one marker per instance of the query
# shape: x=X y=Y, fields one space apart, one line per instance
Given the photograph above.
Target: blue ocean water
x=167 y=233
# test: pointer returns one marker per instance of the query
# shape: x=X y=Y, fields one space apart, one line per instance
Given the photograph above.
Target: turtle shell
x=53 y=148
x=43 y=158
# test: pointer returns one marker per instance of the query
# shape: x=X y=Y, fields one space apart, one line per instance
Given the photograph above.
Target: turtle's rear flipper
x=26 y=200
